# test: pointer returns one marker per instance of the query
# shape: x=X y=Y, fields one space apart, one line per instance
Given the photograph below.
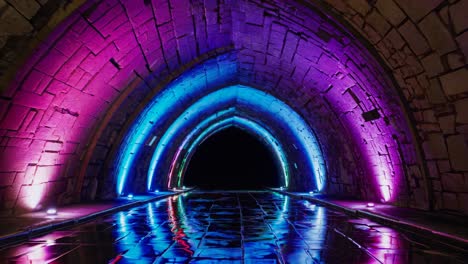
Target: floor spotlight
x=51 y=211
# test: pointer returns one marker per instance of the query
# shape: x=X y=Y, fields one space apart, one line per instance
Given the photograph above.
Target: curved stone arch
x=112 y=114
x=237 y=96
x=245 y=124
x=45 y=163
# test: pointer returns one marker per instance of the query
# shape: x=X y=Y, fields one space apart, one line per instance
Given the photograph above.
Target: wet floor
x=230 y=227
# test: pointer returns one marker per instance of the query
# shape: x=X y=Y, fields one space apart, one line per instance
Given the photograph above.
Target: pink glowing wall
x=79 y=78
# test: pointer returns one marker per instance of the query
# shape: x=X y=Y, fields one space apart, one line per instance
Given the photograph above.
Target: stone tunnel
x=354 y=100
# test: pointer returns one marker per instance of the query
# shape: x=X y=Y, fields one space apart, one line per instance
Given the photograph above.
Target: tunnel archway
x=289 y=128
x=232 y=159
x=195 y=137
x=70 y=109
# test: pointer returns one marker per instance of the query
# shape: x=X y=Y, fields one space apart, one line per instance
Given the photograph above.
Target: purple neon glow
x=255 y=101
x=61 y=94
x=162 y=106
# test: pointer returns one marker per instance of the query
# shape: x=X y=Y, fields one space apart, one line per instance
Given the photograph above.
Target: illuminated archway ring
x=249 y=100
x=243 y=123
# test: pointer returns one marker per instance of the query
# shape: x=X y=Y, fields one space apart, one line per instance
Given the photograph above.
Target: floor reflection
x=230 y=227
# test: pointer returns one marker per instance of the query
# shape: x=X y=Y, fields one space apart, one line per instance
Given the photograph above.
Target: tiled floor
x=13 y=224
x=230 y=227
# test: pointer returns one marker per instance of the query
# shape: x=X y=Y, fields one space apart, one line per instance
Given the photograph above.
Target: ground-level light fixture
x=51 y=211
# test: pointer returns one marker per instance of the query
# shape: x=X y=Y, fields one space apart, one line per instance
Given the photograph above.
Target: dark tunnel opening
x=232 y=160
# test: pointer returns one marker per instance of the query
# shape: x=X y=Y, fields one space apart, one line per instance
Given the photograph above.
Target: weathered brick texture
x=73 y=100
x=435 y=43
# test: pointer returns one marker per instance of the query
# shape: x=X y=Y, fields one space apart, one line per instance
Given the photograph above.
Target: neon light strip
x=192 y=113
x=298 y=127
x=163 y=106
x=159 y=150
x=257 y=101
x=246 y=124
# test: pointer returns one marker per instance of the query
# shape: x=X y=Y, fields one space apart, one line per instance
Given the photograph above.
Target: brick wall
x=424 y=44
x=71 y=103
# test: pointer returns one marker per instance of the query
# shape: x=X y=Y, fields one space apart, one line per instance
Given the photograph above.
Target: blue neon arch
x=241 y=122
x=167 y=103
x=254 y=100
x=182 y=92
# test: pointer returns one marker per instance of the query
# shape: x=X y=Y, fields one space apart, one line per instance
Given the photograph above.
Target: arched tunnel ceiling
x=81 y=90
x=187 y=148
x=287 y=125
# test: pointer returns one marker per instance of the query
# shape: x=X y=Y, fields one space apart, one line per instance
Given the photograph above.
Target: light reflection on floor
x=229 y=227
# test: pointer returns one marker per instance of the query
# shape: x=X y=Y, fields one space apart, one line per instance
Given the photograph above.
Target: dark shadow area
x=232 y=159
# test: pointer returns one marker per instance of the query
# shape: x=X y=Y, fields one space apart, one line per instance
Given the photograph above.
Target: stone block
x=444 y=165
x=458 y=15
x=36 y=82
x=33 y=100
x=455 y=82
x=378 y=22
x=11 y=193
x=436 y=94
x=395 y=39
x=447 y=124
x=13 y=23
x=428 y=116
x=463 y=199
x=7 y=178
x=53 y=146
x=14 y=117
x=433 y=170
x=461 y=108
x=32 y=120
x=434 y=147
x=454 y=182
x=83 y=80
x=437 y=34
x=372 y=35
x=4 y=105
x=450 y=201
x=455 y=60
x=436 y=186
x=328 y=65
x=57 y=87
x=458 y=152
x=48 y=159
x=415 y=39
x=69 y=148
x=417 y=9
x=17 y=159
x=361 y=6
x=390 y=11
x=463 y=44
x=19 y=142
x=27 y=8
x=93 y=63
x=45 y=174
x=51 y=63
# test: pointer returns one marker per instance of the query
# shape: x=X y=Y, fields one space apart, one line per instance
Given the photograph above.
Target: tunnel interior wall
x=422 y=44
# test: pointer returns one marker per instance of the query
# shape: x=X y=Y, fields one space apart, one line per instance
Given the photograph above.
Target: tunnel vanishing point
x=363 y=99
